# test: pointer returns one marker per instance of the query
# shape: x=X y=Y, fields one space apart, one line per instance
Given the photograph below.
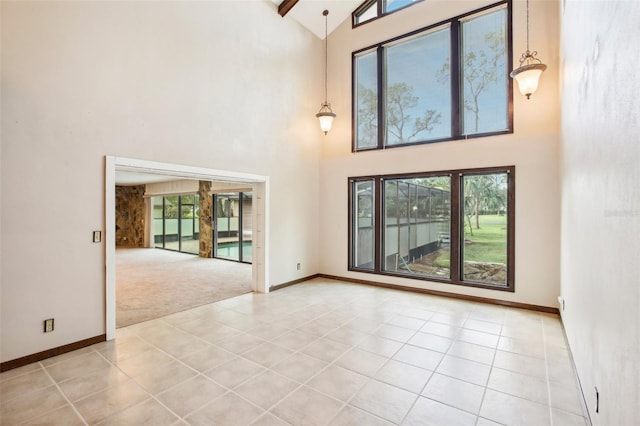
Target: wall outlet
x=298 y=266
x=48 y=325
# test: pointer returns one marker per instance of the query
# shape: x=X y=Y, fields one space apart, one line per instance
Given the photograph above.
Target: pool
x=230 y=251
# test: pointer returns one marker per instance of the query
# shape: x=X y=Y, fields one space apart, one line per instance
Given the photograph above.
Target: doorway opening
x=255 y=184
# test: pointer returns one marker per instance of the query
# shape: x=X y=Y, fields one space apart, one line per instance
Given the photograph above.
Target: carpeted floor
x=151 y=283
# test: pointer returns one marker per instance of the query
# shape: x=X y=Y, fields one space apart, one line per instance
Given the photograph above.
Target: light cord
x=325 y=13
x=527 y=25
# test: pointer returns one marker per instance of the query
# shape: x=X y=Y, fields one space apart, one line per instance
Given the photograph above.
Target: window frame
x=179 y=218
x=457 y=83
x=456 y=226
x=242 y=196
x=380 y=11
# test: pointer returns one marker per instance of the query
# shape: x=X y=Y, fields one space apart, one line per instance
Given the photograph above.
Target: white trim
x=259 y=183
x=110 y=247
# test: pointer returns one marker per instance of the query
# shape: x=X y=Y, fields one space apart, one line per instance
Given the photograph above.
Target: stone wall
x=130 y=214
x=206 y=219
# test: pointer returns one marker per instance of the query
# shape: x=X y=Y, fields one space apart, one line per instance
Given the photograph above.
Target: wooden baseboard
x=19 y=362
x=488 y=300
x=290 y=283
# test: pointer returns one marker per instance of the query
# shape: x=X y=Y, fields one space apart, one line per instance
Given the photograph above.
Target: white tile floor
x=321 y=352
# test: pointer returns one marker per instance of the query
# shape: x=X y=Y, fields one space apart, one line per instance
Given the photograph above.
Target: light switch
x=97 y=236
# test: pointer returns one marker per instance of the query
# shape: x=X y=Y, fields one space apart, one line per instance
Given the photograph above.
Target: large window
x=448 y=81
x=455 y=226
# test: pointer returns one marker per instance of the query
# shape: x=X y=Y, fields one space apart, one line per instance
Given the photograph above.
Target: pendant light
x=325 y=115
x=530 y=69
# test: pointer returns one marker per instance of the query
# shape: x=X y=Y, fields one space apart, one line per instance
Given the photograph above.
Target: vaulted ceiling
x=309 y=13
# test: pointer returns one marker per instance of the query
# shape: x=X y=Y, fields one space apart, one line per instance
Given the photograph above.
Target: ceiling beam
x=286 y=6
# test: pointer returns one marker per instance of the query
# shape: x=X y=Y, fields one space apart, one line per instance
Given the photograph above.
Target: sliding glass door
x=189 y=224
x=176 y=223
x=232 y=236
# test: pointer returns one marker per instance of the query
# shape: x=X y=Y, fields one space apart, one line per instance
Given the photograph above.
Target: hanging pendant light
x=530 y=69
x=325 y=115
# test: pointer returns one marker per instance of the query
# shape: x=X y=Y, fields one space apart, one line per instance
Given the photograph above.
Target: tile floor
x=322 y=352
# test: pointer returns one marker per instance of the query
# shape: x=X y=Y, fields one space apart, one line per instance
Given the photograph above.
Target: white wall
x=223 y=85
x=601 y=203
x=532 y=148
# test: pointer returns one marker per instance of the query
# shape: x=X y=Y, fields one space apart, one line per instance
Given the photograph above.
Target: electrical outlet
x=298 y=266
x=48 y=325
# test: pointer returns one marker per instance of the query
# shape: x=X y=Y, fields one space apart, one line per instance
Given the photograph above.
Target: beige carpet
x=151 y=283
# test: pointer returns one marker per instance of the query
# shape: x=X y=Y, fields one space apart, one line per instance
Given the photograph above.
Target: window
x=233 y=230
x=445 y=82
x=415 y=109
x=363 y=232
x=177 y=223
x=372 y=9
x=454 y=226
x=416 y=222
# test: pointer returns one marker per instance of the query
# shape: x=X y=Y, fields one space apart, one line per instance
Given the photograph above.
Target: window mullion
x=214 y=236
x=164 y=224
x=179 y=223
x=456 y=222
x=381 y=97
x=240 y=213
x=378 y=224
x=456 y=91
x=511 y=218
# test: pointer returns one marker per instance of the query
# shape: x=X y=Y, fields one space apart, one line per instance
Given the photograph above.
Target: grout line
x=16 y=375
x=388 y=308
x=155 y=397
x=71 y=404
x=3 y=400
x=484 y=392
x=546 y=365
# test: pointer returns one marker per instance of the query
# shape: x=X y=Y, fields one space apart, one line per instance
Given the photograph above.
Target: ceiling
x=309 y=13
x=306 y=12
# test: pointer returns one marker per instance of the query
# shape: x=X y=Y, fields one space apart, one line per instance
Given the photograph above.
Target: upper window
x=372 y=9
x=448 y=81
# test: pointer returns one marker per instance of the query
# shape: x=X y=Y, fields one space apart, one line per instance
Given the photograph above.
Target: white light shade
x=326 y=117
x=527 y=77
x=326 y=121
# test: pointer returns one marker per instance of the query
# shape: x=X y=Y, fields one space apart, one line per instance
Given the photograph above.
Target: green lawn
x=487 y=244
